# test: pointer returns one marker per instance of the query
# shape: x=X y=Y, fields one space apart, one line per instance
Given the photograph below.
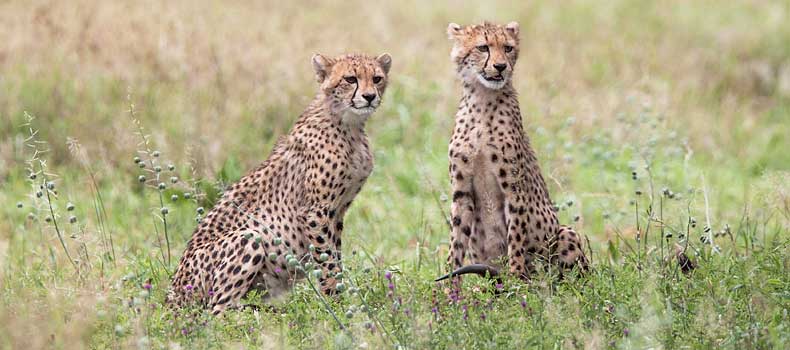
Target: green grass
x=671 y=94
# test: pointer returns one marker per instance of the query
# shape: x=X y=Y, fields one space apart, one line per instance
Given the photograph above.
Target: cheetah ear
x=322 y=66
x=512 y=28
x=385 y=60
x=453 y=30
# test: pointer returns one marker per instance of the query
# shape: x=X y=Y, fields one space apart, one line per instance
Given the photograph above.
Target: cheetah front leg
x=568 y=251
x=518 y=261
x=462 y=210
x=524 y=236
x=326 y=242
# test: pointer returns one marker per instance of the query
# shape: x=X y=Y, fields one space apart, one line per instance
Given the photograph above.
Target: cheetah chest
x=359 y=167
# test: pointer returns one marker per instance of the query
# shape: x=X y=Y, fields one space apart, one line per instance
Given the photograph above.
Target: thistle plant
x=149 y=161
x=43 y=187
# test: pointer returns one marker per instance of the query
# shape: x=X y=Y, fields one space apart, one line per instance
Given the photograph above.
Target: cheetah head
x=485 y=53
x=353 y=83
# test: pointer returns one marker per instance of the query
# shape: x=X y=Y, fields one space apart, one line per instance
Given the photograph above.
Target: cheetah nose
x=369 y=97
x=500 y=66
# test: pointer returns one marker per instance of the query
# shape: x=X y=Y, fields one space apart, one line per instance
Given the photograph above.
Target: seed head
x=141 y=178
x=272 y=256
x=156 y=154
x=70 y=206
x=19 y=204
x=323 y=257
x=50 y=185
x=174 y=197
x=171 y=167
x=137 y=160
x=161 y=186
x=187 y=195
x=158 y=169
x=164 y=210
x=200 y=210
x=72 y=219
x=173 y=179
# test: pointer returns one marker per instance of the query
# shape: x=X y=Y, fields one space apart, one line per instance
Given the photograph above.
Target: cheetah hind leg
x=243 y=261
x=568 y=250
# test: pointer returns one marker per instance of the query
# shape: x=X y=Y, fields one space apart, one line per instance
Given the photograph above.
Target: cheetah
x=500 y=203
x=293 y=204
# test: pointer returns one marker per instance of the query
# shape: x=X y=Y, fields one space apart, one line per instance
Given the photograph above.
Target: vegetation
x=658 y=125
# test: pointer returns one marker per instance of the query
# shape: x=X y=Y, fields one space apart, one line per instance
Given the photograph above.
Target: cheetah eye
x=377 y=79
x=351 y=80
x=482 y=48
x=508 y=48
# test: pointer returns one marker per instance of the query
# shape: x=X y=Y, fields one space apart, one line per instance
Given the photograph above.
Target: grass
x=656 y=125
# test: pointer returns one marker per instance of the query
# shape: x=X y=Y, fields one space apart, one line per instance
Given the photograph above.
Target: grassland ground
x=657 y=125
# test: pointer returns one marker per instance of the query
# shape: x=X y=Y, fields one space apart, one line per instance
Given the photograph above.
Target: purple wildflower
x=435 y=310
x=188 y=287
x=465 y=308
x=184 y=331
x=626 y=332
x=523 y=304
x=210 y=293
x=277 y=270
x=499 y=286
x=391 y=286
x=147 y=286
x=454 y=297
x=483 y=316
x=388 y=276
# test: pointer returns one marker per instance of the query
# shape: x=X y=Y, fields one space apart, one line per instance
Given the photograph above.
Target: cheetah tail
x=478 y=269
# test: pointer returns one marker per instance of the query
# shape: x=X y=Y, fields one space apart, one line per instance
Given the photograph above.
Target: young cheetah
x=500 y=203
x=295 y=201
